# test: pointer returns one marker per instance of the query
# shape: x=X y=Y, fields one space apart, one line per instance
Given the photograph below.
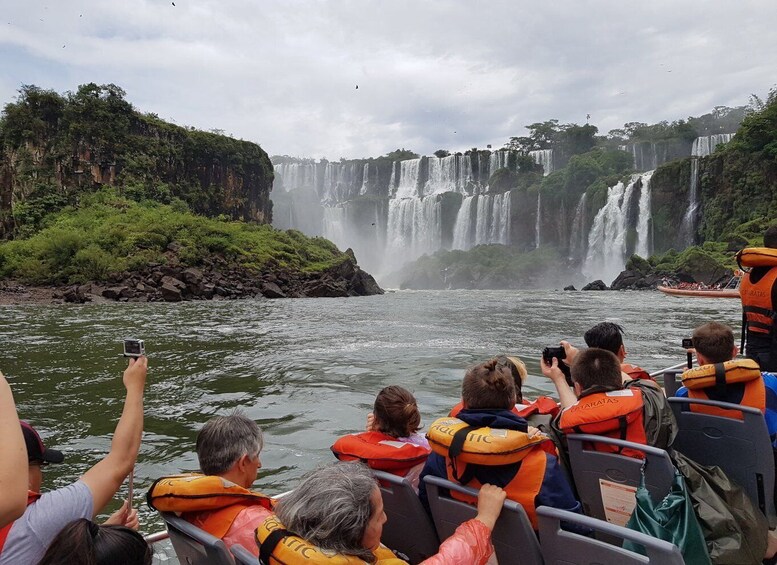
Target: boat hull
x=723 y=293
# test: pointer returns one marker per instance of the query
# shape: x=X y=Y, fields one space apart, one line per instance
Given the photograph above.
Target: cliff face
x=52 y=148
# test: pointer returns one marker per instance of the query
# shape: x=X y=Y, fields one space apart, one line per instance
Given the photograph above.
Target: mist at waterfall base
x=392 y=213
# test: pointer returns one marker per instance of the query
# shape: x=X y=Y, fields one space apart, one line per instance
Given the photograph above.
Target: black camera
x=687 y=343
x=550 y=352
x=559 y=353
x=134 y=348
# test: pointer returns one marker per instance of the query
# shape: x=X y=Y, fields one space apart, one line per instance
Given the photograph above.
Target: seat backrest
x=589 y=467
x=408 y=528
x=561 y=547
x=194 y=546
x=670 y=382
x=515 y=542
x=741 y=448
x=243 y=556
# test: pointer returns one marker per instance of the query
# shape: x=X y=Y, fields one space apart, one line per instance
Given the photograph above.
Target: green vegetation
x=108 y=233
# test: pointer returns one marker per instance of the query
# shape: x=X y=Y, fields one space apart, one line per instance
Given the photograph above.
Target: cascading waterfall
x=413 y=229
x=705 y=145
x=606 y=255
x=449 y=174
x=543 y=157
x=334 y=225
x=482 y=219
x=463 y=228
x=365 y=180
x=408 y=179
x=290 y=176
x=643 y=222
x=577 y=240
x=538 y=221
x=498 y=160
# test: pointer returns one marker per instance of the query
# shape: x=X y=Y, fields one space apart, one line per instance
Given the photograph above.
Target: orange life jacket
x=463 y=446
x=380 y=451
x=616 y=414
x=31 y=497
x=758 y=299
x=635 y=372
x=710 y=382
x=209 y=502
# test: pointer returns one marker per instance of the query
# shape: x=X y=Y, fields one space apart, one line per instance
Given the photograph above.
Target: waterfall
x=543 y=157
x=538 y=221
x=408 y=179
x=290 y=176
x=334 y=225
x=414 y=228
x=449 y=174
x=498 y=160
x=643 y=222
x=705 y=145
x=606 y=255
x=462 y=229
x=365 y=180
x=500 y=222
x=577 y=240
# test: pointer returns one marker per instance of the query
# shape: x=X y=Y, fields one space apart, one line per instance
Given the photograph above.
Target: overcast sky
x=430 y=75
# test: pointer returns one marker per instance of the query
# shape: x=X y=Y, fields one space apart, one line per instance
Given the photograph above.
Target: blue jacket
x=555 y=490
x=734 y=394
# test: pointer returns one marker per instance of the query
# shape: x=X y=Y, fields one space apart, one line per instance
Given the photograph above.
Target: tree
x=440 y=153
x=401 y=155
x=542 y=135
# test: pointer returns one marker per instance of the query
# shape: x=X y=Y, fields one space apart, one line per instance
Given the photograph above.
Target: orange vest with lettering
x=380 y=451
x=209 y=502
x=617 y=414
x=703 y=381
x=31 y=497
x=757 y=298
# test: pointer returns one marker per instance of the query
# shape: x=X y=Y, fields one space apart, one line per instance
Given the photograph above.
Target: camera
x=134 y=348
x=559 y=353
x=687 y=343
x=550 y=352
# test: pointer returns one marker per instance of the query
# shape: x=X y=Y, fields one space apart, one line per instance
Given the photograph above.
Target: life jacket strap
x=455 y=449
x=270 y=543
x=720 y=380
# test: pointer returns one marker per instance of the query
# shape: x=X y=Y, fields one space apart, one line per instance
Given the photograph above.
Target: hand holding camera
x=135 y=373
x=553 y=364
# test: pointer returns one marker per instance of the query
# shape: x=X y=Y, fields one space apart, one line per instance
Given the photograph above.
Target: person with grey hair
x=339 y=508
x=220 y=500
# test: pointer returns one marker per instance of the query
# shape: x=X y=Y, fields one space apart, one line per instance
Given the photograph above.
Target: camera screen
x=133 y=347
x=688 y=343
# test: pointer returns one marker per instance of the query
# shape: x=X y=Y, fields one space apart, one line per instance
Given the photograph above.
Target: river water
x=307 y=369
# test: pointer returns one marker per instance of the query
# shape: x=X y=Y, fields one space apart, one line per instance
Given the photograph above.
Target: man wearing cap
x=25 y=540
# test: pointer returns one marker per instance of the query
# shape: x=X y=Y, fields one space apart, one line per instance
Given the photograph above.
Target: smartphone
x=134 y=348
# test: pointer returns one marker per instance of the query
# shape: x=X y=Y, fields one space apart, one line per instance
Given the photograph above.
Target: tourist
x=745 y=384
x=13 y=459
x=538 y=411
x=517 y=461
x=391 y=441
x=638 y=412
x=758 y=291
x=339 y=509
x=49 y=512
x=83 y=542
x=219 y=500
x=609 y=336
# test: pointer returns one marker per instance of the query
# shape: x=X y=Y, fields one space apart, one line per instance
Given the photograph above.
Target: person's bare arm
x=13 y=459
x=490 y=500
x=566 y=395
x=105 y=478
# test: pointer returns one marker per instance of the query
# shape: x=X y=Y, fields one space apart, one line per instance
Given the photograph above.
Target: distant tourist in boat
x=531 y=476
x=601 y=404
x=391 y=441
x=83 y=542
x=745 y=383
x=13 y=459
x=758 y=291
x=609 y=336
x=219 y=500
x=339 y=509
x=48 y=512
x=538 y=411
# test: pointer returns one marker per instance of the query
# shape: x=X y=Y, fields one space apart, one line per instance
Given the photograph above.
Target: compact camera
x=559 y=353
x=687 y=343
x=134 y=348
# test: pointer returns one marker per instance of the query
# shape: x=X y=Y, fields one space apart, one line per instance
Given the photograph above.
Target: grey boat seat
x=562 y=547
x=408 y=528
x=741 y=448
x=514 y=539
x=243 y=556
x=194 y=546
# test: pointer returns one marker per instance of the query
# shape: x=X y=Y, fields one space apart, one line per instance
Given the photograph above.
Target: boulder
x=595 y=285
x=192 y=276
x=627 y=279
x=271 y=290
x=570 y=287
x=174 y=282
x=113 y=292
x=326 y=288
x=170 y=293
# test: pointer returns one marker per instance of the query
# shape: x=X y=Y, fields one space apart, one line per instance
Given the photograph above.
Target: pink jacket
x=470 y=544
x=242 y=529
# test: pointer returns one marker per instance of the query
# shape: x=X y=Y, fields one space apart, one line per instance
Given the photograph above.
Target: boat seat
x=514 y=539
x=243 y=556
x=408 y=528
x=562 y=547
x=741 y=448
x=194 y=546
x=670 y=382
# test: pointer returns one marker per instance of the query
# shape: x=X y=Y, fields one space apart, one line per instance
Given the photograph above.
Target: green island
x=100 y=200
